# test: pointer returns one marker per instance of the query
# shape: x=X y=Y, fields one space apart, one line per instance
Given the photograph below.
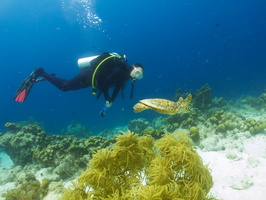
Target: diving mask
x=137 y=73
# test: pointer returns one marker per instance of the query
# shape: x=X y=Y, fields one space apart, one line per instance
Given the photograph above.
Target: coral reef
x=172 y=127
x=138 y=125
x=77 y=129
x=21 y=145
x=30 y=145
x=203 y=98
x=254 y=126
x=218 y=102
x=155 y=133
x=170 y=167
x=214 y=116
x=152 y=164
x=179 y=93
x=12 y=127
x=256 y=102
x=194 y=133
x=225 y=121
x=67 y=155
x=183 y=120
x=112 y=132
x=29 y=189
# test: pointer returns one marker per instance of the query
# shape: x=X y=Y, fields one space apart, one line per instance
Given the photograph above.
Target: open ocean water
x=182 y=44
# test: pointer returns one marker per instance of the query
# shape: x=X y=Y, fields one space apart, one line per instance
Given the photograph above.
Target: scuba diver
x=102 y=72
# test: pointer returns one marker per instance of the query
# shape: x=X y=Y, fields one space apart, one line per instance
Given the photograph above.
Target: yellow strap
x=96 y=69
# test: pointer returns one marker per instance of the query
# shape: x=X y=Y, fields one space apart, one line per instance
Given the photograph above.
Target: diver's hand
x=108 y=104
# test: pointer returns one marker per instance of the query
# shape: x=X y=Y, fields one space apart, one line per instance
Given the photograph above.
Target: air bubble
x=83 y=12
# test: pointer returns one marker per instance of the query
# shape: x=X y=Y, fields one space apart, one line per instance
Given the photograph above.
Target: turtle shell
x=163 y=106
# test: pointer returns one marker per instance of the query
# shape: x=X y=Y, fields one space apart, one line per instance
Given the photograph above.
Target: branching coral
x=117 y=170
x=138 y=125
x=30 y=190
x=181 y=165
x=141 y=169
x=155 y=133
x=203 y=97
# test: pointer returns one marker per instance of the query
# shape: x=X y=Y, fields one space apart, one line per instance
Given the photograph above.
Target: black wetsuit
x=113 y=72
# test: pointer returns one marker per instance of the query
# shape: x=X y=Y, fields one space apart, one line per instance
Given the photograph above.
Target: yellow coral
x=178 y=162
x=75 y=192
x=155 y=192
x=137 y=168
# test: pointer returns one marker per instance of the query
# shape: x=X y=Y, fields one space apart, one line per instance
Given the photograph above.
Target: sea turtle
x=164 y=106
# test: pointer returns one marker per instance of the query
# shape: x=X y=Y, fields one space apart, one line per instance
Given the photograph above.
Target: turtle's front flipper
x=183 y=106
x=139 y=107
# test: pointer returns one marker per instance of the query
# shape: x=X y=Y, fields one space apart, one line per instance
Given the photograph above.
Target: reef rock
x=138 y=125
x=21 y=145
x=203 y=98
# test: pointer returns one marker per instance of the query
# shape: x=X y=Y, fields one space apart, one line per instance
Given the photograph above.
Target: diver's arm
x=108 y=100
x=108 y=83
x=106 y=94
x=117 y=89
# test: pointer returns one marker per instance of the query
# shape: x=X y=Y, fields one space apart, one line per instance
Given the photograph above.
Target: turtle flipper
x=139 y=107
x=182 y=105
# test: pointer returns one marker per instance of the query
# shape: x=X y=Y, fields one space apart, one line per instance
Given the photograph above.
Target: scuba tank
x=84 y=63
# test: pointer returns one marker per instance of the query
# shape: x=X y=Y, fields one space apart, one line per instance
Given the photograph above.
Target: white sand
x=239 y=175
x=5 y=167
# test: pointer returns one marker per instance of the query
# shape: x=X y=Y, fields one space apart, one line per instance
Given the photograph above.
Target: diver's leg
x=82 y=80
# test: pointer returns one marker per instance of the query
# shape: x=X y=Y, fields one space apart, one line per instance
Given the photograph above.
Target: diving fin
x=25 y=87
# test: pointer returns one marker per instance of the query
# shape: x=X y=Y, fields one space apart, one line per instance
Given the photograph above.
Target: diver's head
x=137 y=71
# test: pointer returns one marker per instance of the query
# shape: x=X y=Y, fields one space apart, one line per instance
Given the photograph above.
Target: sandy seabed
x=239 y=175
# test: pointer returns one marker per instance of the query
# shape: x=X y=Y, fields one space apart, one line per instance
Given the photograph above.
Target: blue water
x=181 y=43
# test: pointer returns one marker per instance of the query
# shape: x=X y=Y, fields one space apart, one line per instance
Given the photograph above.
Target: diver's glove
x=108 y=104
